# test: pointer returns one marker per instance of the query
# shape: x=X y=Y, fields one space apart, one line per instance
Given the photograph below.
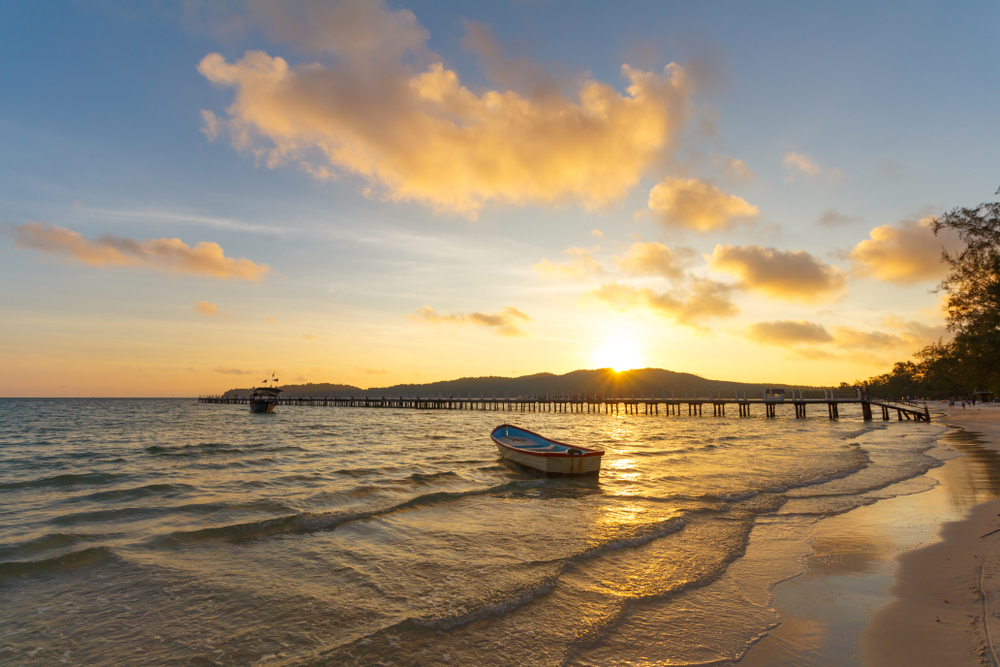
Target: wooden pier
x=598 y=403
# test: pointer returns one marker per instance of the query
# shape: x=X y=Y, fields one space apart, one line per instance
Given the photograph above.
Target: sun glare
x=620 y=354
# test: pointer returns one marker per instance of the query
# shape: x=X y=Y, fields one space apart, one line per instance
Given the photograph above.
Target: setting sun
x=620 y=354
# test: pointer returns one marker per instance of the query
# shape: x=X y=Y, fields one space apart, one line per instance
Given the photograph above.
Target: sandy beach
x=910 y=580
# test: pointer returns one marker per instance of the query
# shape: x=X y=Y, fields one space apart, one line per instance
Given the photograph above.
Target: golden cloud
x=655 y=259
x=789 y=332
x=701 y=300
x=697 y=205
x=205 y=258
x=504 y=322
x=781 y=274
x=905 y=253
x=581 y=266
x=801 y=338
x=797 y=163
x=420 y=135
x=852 y=338
x=916 y=334
x=206 y=308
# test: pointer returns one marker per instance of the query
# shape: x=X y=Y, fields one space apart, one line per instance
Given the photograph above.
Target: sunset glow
x=375 y=193
x=619 y=354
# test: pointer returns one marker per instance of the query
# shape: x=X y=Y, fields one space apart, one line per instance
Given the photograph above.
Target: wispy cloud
x=233 y=371
x=904 y=253
x=697 y=205
x=371 y=371
x=504 y=322
x=380 y=105
x=206 y=308
x=789 y=332
x=699 y=302
x=798 y=164
x=781 y=274
x=833 y=218
x=582 y=265
x=172 y=255
x=733 y=170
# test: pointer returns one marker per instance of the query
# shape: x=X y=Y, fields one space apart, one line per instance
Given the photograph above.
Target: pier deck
x=599 y=403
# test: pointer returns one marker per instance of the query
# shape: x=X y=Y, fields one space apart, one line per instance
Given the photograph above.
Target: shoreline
x=899 y=582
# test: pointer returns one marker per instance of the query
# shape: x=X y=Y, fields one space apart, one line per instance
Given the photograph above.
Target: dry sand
x=911 y=580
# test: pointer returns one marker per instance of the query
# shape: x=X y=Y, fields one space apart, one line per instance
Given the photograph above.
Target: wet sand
x=910 y=580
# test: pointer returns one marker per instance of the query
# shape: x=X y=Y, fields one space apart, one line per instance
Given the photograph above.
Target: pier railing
x=598 y=403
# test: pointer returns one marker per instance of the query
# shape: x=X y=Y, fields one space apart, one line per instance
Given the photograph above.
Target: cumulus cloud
x=173 y=255
x=803 y=165
x=582 y=265
x=697 y=205
x=381 y=106
x=789 y=332
x=832 y=218
x=206 y=308
x=655 y=259
x=700 y=301
x=802 y=338
x=233 y=371
x=791 y=275
x=905 y=253
x=598 y=233
x=504 y=322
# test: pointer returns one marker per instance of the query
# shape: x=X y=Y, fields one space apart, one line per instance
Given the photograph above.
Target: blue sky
x=795 y=132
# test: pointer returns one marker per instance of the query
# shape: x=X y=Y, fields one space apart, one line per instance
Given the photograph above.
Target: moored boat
x=541 y=453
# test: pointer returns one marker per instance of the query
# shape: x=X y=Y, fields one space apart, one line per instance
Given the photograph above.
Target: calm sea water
x=164 y=532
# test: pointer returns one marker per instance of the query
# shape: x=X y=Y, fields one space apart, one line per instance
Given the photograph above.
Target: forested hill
x=645 y=381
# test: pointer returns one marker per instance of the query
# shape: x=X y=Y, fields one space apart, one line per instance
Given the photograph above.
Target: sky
x=197 y=195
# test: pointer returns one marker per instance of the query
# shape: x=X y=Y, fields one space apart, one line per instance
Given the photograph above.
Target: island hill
x=640 y=382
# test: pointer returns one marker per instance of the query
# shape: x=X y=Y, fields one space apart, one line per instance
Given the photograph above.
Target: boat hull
x=545 y=455
x=262 y=407
x=577 y=465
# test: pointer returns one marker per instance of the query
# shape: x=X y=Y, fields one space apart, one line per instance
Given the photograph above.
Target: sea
x=168 y=532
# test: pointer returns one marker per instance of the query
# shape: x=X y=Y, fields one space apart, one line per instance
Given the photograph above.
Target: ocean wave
x=66 y=562
x=125 y=514
x=425 y=479
x=49 y=542
x=69 y=480
x=218 y=449
x=313 y=522
x=646 y=534
x=138 y=492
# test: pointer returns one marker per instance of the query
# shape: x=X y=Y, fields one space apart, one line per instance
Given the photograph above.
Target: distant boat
x=538 y=452
x=264 y=399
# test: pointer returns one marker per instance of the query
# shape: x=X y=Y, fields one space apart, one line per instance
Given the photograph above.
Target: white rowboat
x=550 y=456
